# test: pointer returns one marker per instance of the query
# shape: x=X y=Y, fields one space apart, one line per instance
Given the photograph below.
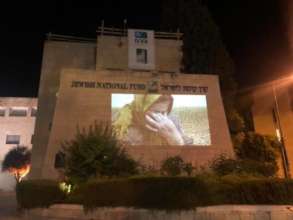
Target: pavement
x=8 y=206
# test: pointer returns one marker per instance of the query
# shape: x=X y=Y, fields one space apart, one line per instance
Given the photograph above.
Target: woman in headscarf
x=146 y=121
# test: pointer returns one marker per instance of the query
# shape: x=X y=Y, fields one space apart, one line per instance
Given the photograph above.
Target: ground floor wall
x=7 y=181
x=225 y=212
x=17 y=122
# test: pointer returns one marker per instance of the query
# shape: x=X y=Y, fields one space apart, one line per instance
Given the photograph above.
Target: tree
x=204 y=52
x=203 y=49
x=96 y=153
x=17 y=161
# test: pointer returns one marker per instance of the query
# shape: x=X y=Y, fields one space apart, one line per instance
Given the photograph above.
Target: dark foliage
x=38 y=193
x=169 y=193
x=175 y=166
x=172 y=166
x=16 y=158
x=145 y=192
x=203 y=50
x=257 y=147
x=225 y=166
x=96 y=153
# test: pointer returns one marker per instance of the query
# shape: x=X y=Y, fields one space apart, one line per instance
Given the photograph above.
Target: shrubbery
x=253 y=146
x=145 y=192
x=161 y=192
x=96 y=153
x=255 y=155
x=251 y=190
x=38 y=193
x=225 y=166
x=175 y=166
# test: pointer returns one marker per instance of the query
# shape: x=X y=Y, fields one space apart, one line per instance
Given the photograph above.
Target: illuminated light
x=278 y=134
x=65 y=187
x=21 y=172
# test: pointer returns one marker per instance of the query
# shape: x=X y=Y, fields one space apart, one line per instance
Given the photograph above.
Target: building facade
x=131 y=80
x=17 y=122
x=272 y=115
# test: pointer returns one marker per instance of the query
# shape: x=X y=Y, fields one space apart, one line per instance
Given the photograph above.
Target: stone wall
x=82 y=106
x=229 y=212
x=56 y=56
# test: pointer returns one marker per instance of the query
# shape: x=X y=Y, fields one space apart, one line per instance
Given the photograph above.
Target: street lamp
x=280 y=136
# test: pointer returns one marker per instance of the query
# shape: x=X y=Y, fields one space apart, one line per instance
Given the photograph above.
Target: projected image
x=155 y=119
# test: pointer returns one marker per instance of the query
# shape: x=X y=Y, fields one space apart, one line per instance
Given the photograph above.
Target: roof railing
x=108 y=31
x=58 y=37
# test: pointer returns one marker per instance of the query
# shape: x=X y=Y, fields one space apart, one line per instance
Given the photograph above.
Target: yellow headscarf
x=139 y=106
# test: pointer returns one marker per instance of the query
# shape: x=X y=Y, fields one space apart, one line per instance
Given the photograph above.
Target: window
x=34 y=112
x=2 y=112
x=59 y=160
x=13 y=139
x=141 y=34
x=141 y=56
x=32 y=139
x=18 y=111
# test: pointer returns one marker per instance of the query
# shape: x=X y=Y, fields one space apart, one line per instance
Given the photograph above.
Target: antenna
x=102 y=27
x=124 y=27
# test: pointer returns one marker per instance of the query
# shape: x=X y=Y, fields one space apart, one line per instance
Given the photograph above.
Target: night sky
x=253 y=31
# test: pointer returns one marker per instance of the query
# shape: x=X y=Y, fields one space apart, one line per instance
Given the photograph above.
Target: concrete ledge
x=225 y=212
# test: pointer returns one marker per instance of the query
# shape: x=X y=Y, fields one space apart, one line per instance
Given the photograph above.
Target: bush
x=224 y=166
x=169 y=193
x=99 y=193
x=175 y=166
x=172 y=166
x=256 y=154
x=38 y=193
x=145 y=192
x=96 y=153
x=257 y=147
x=257 y=191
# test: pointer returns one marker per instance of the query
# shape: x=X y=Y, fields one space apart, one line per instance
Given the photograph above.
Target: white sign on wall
x=141 y=49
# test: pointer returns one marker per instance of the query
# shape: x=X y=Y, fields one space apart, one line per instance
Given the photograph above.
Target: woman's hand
x=161 y=124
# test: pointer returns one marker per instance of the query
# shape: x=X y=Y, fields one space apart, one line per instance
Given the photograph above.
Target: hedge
x=145 y=192
x=38 y=193
x=162 y=192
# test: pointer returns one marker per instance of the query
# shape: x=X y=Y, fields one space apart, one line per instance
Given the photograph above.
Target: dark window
x=141 y=56
x=141 y=34
x=18 y=112
x=59 y=160
x=34 y=112
x=13 y=139
x=32 y=139
x=2 y=112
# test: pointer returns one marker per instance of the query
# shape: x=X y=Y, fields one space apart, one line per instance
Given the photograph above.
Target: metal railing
x=123 y=32
x=58 y=37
